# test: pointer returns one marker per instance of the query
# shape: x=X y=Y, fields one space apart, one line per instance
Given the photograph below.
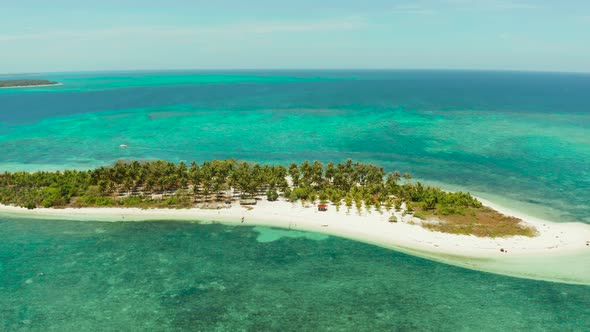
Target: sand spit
x=561 y=251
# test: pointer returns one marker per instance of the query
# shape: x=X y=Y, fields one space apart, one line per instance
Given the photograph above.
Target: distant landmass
x=23 y=83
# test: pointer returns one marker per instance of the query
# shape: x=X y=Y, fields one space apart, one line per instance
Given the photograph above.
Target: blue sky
x=68 y=35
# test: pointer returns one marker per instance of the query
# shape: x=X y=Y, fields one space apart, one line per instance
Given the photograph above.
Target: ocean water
x=171 y=276
x=518 y=139
x=523 y=137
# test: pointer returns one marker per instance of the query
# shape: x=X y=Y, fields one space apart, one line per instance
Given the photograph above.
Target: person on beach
x=242 y=219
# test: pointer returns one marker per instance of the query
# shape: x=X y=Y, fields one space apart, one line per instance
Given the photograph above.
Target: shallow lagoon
x=68 y=275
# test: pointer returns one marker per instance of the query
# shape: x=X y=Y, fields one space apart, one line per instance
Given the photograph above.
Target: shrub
x=420 y=215
x=131 y=201
x=272 y=195
x=446 y=210
x=47 y=203
x=348 y=201
x=172 y=200
x=287 y=192
x=300 y=193
x=388 y=205
x=359 y=204
x=323 y=196
x=293 y=196
x=104 y=201
x=398 y=205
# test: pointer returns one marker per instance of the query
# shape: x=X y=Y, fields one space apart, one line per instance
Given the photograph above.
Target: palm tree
x=206 y=178
x=241 y=176
x=294 y=174
x=330 y=172
x=317 y=174
x=194 y=177
x=182 y=175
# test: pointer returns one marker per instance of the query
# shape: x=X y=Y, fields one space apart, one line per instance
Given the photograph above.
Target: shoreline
x=547 y=256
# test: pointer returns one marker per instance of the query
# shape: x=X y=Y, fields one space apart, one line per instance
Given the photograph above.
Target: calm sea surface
x=519 y=139
x=522 y=136
x=91 y=276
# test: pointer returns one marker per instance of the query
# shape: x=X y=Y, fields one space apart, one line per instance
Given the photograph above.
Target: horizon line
x=292 y=70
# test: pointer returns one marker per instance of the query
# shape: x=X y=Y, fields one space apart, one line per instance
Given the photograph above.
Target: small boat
x=123 y=146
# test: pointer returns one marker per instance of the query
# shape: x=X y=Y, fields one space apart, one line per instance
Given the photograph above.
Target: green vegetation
x=165 y=184
x=482 y=222
x=17 y=83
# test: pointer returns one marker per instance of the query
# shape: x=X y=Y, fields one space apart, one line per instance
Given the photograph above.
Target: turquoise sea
x=519 y=139
x=171 y=276
x=522 y=136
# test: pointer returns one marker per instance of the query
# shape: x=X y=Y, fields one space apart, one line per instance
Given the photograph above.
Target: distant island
x=25 y=83
x=219 y=183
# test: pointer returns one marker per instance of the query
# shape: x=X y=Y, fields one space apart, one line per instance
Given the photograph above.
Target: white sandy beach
x=539 y=257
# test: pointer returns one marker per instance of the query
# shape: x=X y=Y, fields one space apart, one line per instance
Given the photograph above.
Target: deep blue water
x=518 y=92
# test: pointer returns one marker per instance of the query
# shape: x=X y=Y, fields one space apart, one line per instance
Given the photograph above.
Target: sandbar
x=560 y=253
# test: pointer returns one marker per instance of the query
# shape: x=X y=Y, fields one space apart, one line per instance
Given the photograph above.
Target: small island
x=352 y=186
x=26 y=83
x=349 y=199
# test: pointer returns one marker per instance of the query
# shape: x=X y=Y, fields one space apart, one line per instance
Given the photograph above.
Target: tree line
x=162 y=183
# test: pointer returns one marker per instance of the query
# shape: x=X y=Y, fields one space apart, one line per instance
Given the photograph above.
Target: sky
x=74 y=35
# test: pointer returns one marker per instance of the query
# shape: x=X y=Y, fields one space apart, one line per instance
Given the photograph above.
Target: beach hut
x=322 y=207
